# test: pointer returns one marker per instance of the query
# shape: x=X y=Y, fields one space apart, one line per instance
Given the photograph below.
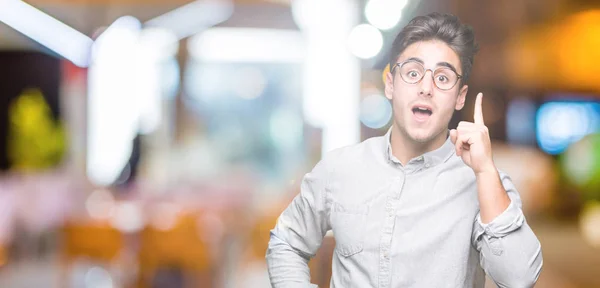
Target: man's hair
x=444 y=27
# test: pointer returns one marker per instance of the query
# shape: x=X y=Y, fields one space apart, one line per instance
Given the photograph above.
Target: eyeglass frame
x=425 y=72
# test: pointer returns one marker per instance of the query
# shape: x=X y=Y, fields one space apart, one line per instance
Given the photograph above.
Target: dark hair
x=443 y=27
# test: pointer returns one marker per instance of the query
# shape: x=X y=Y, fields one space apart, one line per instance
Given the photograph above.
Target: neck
x=405 y=149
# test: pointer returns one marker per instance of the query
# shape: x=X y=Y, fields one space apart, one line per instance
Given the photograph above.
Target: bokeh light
x=561 y=123
x=589 y=223
x=165 y=216
x=286 y=129
x=98 y=277
x=128 y=217
x=581 y=165
x=384 y=14
x=365 y=41
x=100 y=204
x=520 y=121
x=250 y=83
x=375 y=111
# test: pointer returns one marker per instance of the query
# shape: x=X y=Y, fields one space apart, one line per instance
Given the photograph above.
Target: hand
x=472 y=141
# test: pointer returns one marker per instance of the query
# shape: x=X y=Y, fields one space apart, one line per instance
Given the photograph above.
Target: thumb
x=453 y=136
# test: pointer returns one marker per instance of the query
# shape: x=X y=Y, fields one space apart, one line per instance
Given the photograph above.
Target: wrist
x=487 y=171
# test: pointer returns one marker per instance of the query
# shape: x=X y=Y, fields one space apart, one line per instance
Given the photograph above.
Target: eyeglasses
x=412 y=72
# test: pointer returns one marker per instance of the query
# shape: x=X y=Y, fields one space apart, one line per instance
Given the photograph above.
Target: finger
x=459 y=145
x=465 y=124
x=454 y=138
x=453 y=135
x=478 y=115
x=467 y=129
x=463 y=143
x=466 y=138
x=466 y=147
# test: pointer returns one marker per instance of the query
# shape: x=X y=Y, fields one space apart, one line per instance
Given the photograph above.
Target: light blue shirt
x=413 y=225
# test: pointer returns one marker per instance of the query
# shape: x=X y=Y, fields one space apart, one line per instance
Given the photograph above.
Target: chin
x=422 y=136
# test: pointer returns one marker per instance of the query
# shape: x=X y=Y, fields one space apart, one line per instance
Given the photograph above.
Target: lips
x=422 y=112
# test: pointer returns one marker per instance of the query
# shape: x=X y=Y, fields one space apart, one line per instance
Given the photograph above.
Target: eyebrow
x=448 y=65
x=415 y=59
x=442 y=64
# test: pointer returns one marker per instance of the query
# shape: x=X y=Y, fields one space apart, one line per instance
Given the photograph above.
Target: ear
x=462 y=95
x=389 y=84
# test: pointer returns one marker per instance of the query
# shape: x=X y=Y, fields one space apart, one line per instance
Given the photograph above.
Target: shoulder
x=351 y=159
x=355 y=153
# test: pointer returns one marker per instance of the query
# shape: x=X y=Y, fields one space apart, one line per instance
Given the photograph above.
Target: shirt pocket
x=495 y=245
x=348 y=225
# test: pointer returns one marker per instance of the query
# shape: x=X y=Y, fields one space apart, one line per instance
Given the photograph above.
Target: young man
x=422 y=206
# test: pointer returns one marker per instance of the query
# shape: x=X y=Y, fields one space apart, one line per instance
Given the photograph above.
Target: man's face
x=422 y=111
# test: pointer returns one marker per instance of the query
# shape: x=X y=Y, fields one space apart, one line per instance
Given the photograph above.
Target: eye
x=442 y=79
x=413 y=74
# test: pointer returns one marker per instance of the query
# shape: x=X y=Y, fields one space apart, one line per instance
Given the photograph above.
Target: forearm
x=513 y=259
x=299 y=231
x=287 y=266
x=510 y=253
x=493 y=199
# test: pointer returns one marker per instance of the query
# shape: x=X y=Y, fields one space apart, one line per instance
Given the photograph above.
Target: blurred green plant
x=35 y=140
x=581 y=165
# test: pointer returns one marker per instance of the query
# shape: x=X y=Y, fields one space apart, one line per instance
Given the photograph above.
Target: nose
x=426 y=84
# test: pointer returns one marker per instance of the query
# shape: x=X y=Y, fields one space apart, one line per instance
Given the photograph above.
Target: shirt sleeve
x=509 y=251
x=299 y=231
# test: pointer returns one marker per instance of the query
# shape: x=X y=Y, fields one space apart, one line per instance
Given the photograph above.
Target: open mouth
x=422 y=112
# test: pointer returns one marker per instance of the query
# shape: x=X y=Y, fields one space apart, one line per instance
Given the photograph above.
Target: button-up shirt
x=401 y=225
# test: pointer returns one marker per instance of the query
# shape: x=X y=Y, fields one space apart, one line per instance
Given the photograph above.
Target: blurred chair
x=177 y=248
x=96 y=241
x=3 y=255
x=260 y=235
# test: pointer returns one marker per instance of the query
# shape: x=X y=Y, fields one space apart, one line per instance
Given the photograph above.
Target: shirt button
x=427 y=165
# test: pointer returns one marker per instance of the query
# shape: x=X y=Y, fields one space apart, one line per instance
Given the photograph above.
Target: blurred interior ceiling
x=87 y=16
x=492 y=21
x=504 y=29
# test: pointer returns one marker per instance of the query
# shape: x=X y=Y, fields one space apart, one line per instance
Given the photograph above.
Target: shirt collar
x=428 y=159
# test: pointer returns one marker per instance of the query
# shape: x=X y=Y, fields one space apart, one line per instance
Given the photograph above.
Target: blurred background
x=149 y=143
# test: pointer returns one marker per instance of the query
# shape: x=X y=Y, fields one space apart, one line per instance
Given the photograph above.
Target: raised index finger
x=478 y=116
